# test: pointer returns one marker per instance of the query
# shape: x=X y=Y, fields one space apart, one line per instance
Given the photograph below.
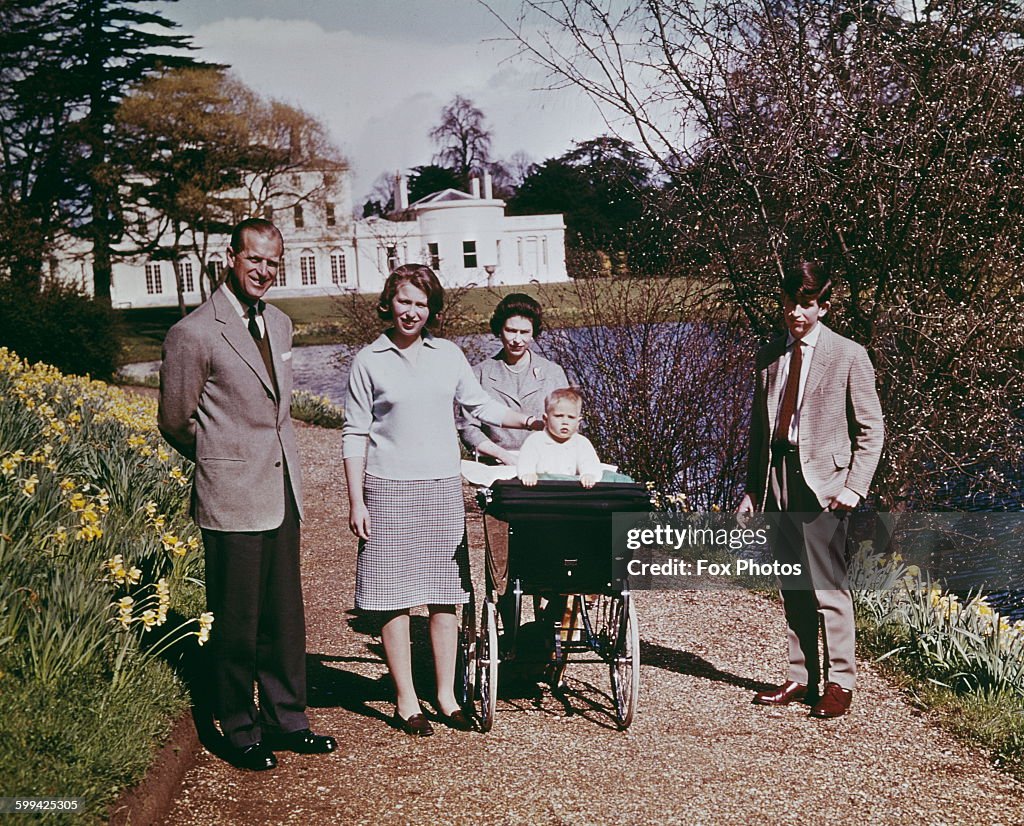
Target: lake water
x=323 y=368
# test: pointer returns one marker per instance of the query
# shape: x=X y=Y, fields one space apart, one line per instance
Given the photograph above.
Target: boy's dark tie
x=789 y=395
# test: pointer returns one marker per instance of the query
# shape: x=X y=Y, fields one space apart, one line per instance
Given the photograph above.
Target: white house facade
x=464 y=236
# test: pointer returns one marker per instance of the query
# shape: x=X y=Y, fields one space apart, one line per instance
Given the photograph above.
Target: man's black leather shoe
x=255 y=758
x=302 y=741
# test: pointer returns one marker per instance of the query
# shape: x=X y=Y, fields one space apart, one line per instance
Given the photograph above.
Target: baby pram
x=555 y=540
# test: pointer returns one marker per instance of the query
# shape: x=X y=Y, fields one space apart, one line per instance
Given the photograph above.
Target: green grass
x=325 y=319
x=85 y=738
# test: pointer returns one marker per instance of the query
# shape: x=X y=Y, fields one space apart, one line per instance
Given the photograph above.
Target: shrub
x=308 y=407
x=61 y=326
x=667 y=387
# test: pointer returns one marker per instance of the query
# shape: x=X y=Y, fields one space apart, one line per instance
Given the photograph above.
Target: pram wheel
x=624 y=665
x=612 y=620
x=465 y=665
x=487 y=666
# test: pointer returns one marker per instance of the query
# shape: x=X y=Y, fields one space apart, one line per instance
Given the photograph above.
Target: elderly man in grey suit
x=815 y=440
x=225 y=398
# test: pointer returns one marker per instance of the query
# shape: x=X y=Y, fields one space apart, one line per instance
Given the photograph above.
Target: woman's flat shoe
x=417 y=725
x=457 y=720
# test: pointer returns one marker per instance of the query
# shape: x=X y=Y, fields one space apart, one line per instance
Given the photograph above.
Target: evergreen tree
x=64 y=67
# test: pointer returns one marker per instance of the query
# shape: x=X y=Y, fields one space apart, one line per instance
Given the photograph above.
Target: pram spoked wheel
x=487 y=658
x=465 y=663
x=623 y=634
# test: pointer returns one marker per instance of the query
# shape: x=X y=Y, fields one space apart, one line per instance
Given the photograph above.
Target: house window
x=307 y=266
x=300 y=222
x=497 y=253
x=532 y=256
x=154 y=284
x=183 y=272
x=339 y=276
x=215 y=268
x=329 y=210
x=544 y=250
x=393 y=260
x=469 y=254
x=279 y=279
x=519 y=252
x=434 y=252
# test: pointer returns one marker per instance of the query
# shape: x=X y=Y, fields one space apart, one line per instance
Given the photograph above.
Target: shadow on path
x=686 y=662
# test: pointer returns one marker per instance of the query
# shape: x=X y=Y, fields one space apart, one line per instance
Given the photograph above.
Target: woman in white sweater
x=404 y=487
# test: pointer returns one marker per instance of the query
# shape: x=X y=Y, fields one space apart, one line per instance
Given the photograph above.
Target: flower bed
x=100 y=585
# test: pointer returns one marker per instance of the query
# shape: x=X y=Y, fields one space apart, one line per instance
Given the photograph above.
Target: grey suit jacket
x=841 y=428
x=543 y=377
x=221 y=409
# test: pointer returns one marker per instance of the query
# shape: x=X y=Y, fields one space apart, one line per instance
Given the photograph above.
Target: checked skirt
x=416 y=553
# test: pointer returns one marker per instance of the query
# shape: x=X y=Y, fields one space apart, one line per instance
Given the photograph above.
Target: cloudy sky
x=378 y=72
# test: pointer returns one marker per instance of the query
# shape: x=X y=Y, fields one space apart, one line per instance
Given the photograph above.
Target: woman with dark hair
x=402 y=468
x=516 y=376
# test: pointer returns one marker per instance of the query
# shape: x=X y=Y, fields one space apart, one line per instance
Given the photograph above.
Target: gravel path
x=697 y=753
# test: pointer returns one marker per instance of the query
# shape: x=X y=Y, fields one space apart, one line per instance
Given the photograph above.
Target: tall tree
x=428 y=179
x=509 y=173
x=884 y=136
x=119 y=44
x=37 y=105
x=462 y=138
x=381 y=198
x=182 y=142
x=605 y=189
x=64 y=66
x=199 y=149
x=285 y=140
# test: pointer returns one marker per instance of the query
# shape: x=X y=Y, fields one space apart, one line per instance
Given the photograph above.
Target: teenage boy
x=816 y=435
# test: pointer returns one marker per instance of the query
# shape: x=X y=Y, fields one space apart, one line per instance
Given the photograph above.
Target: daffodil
x=124 y=611
x=29 y=486
x=205 y=623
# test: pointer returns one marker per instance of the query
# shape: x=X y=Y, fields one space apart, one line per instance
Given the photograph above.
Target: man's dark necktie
x=788 y=407
x=261 y=342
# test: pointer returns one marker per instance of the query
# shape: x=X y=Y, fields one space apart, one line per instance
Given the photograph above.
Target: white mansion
x=465 y=237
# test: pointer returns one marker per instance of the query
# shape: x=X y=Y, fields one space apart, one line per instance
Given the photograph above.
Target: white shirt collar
x=383 y=342
x=240 y=308
x=809 y=340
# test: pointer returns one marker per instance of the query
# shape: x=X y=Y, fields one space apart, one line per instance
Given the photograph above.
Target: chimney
x=488 y=184
x=401 y=192
x=474 y=187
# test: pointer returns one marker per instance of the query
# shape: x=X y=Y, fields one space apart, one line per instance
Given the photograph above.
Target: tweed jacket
x=841 y=427
x=220 y=408
x=543 y=377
